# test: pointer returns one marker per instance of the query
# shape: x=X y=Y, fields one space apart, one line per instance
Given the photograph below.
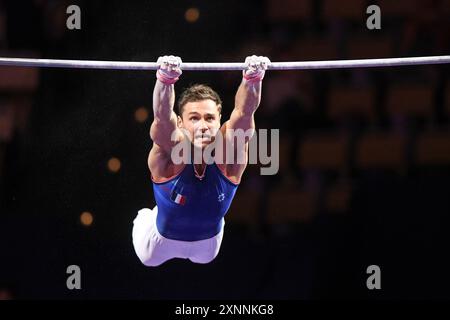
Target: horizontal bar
x=197 y=66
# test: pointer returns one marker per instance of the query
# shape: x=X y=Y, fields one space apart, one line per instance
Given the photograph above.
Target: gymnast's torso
x=192 y=208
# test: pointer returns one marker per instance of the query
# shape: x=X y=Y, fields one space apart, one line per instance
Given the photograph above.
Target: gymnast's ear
x=179 y=122
x=219 y=109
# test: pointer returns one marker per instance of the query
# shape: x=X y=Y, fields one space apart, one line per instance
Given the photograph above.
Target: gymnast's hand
x=256 y=67
x=169 y=69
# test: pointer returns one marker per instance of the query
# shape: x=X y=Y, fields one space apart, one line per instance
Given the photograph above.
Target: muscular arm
x=165 y=119
x=164 y=131
x=248 y=95
x=247 y=100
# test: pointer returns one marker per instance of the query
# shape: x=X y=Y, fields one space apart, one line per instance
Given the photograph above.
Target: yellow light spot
x=114 y=165
x=192 y=15
x=86 y=219
x=141 y=114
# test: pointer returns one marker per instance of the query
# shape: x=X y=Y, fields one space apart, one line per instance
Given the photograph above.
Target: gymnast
x=193 y=197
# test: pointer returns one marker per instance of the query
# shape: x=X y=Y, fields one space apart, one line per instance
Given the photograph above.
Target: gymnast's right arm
x=164 y=131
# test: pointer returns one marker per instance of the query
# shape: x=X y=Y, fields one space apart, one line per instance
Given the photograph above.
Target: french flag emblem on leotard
x=178 y=198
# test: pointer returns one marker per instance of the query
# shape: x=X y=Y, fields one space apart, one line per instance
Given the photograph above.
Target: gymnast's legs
x=153 y=249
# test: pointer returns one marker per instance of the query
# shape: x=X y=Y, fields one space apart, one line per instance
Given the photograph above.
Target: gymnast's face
x=202 y=120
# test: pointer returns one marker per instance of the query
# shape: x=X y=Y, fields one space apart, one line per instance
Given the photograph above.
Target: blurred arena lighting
x=114 y=165
x=141 y=114
x=86 y=219
x=191 y=15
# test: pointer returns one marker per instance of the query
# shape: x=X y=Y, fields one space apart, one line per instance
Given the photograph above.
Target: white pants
x=153 y=249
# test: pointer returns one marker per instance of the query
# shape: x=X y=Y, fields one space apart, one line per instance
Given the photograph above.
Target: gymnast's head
x=199 y=113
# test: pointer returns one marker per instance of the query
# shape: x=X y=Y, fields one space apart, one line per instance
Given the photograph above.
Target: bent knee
x=204 y=258
x=149 y=259
x=150 y=262
x=146 y=256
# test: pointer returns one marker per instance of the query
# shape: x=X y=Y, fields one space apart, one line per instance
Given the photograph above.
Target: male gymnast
x=192 y=197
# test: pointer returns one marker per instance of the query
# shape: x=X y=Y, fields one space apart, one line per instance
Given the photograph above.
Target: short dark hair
x=198 y=92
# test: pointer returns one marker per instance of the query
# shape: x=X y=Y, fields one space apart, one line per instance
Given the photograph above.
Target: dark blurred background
x=364 y=173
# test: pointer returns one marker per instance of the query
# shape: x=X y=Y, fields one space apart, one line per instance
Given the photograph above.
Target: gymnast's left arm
x=248 y=95
x=241 y=127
